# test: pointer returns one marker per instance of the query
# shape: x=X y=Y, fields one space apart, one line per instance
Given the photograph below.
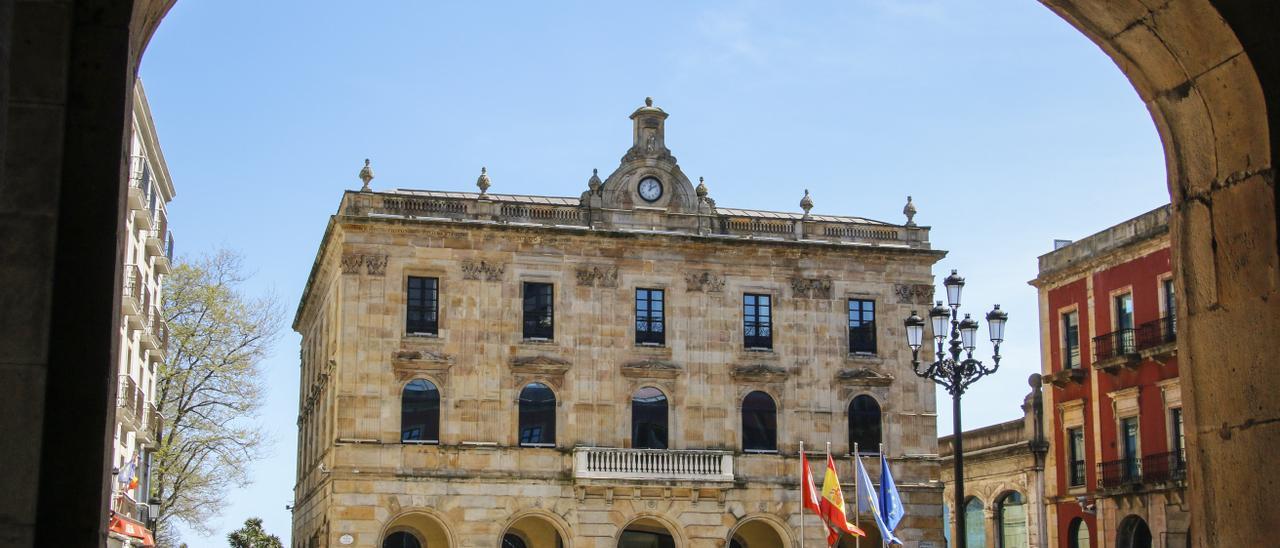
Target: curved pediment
x=540 y=363
x=651 y=369
x=864 y=376
x=760 y=372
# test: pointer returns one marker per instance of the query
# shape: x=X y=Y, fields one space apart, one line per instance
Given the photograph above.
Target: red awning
x=130 y=528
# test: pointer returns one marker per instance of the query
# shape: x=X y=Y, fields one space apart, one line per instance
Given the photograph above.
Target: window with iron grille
x=757 y=321
x=862 y=326
x=1071 y=340
x=651 y=325
x=1076 y=456
x=539 y=316
x=422 y=306
x=1179 y=438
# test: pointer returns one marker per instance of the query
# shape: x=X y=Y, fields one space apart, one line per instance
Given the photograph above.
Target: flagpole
x=802 y=495
x=857 y=496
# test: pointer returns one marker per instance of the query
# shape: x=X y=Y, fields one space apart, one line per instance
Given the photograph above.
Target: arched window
x=649 y=419
x=864 y=424
x=537 y=416
x=512 y=541
x=759 y=423
x=1012 y=510
x=1078 y=534
x=401 y=539
x=975 y=533
x=420 y=412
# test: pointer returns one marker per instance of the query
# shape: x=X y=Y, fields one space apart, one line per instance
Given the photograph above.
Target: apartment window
x=1179 y=439
x=649 y=419
x=422 y=307
x=862 y=326
x=537 y=416
x=1124 y=323
x=420 y=412
x=539 y=316
x=651 y=325
x=757 y=321
x=759 y=422
x=1129 y=446
x=1170 y=308
x=1076 y=455
x=1071 y=338
x=864 y=424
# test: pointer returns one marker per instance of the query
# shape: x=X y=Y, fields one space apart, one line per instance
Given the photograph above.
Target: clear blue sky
x=1008 y=127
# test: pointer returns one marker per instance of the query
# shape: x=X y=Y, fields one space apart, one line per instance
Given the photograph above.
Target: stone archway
x=536 y=530
x=1207 y=69
x=425 y=527
x=649 y=532
x=1133 y=533
x=759 y=531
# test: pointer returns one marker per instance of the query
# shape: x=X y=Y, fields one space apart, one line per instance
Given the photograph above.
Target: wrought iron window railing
x=1117 y=473
x=1130 y=340
x=1114 y=344
x=1163 y=467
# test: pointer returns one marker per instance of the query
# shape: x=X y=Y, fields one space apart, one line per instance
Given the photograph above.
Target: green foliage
x=252 y=536
x=209 y=389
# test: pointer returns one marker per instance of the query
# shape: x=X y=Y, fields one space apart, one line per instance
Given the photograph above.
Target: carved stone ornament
x=598 y=276
x=914 y=293
x=759 y=372
x=423 y=356
x=811 y=288
x=376 y=265
x=482 y=270
x=540 y=364
x=651 y=369
x=709 y=282
x=864 y=377
x=351 y=263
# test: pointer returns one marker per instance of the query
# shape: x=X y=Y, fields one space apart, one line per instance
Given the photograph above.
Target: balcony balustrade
x=1164 y=467
x=139 y=181
x=1119 y=473
x=134 y=288
x=1128 y=346
x=652 y=464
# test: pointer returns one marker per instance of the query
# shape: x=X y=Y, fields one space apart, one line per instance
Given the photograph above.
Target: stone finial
x=701 y=191
x=806 y=203
x=483 y=181
x=910 y=211
x=594 y=183
x=648 y=101
x=366 y=175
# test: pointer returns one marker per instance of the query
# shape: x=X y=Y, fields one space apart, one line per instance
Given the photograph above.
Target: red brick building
x=1113 y=405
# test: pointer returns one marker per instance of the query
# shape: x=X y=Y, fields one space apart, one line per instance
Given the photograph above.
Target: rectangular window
x=539 y=316
x=422 y=306
x=1170 y=309
x=651 y=325
x=1076 y=456
x=1179 y=439
x=1129 y=435
x=1124 y=323
x=862 y=326
x=1071 y=340
x=757 y=321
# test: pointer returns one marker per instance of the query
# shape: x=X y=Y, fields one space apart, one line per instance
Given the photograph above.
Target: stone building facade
x=144 y=336
x=636 y=366
x=1109 y=335
x=1004 y=466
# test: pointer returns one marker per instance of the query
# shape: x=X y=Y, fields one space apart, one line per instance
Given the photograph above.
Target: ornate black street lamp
x=953 y=373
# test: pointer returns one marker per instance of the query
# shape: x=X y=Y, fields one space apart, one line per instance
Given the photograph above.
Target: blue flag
x=890 y=502
x=868 y=501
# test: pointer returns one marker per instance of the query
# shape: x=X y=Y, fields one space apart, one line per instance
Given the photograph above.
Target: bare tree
x=209 y=389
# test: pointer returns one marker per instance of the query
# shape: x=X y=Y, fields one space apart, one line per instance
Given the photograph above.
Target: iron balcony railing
x=1164 y=467
x=1130 y=340
x=127 y=392
x=1118 y=473
x=1077 y=473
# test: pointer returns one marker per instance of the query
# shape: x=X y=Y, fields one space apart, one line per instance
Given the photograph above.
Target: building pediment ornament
x=423 y=356
x=864 y=376
x=914 y=293
x=482 y=270
x=373 y=264
x=651 y=369
x=540 y=363
x=759 y=372
x=598 y=276
x=706 y=281
x=811 y=288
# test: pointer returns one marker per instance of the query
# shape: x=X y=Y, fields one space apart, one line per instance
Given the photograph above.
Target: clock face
x=650 y=189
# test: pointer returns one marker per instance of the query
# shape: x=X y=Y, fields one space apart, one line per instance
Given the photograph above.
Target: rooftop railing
x=552 y=211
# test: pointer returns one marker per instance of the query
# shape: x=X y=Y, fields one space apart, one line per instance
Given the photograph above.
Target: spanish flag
x=832 y=506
